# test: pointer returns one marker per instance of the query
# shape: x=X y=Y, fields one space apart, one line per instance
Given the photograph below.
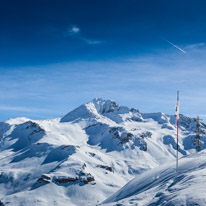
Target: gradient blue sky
x=56 y=55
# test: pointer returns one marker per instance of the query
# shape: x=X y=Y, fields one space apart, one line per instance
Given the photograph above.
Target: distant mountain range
x=89 y=154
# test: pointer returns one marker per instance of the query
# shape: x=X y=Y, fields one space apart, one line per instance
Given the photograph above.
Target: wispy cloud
x=74 y=31
x=26 y=109
x=91 y=41
x=148 y=83
x=197 y=45
x=177 y=47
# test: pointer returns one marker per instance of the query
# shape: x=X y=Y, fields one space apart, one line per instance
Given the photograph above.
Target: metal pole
x=177 y=150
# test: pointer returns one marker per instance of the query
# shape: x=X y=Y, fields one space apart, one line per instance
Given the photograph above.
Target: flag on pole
x=177 y=121
x=177 y=107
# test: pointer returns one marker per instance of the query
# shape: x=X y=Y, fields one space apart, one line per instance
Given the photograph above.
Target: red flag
x=177 y=107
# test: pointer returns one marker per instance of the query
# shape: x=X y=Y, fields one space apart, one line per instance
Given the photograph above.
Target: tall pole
x=177 y=149
x=177 y=122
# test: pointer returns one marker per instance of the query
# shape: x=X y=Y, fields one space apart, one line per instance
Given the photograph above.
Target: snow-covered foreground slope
x=162 y=186
x=87 y=155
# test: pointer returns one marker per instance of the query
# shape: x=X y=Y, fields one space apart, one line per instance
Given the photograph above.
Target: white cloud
x=74 y=30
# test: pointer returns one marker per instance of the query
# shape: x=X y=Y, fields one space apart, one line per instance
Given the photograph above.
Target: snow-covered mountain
x=87 y=155
x=162 y=186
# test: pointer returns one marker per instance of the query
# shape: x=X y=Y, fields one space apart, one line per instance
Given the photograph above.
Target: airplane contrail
x=176 y=46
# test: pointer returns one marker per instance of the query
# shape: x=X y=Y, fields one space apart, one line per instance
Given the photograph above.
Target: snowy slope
x=85 y=156
x=162 y=186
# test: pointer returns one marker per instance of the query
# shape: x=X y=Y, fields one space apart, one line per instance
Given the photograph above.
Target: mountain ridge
x=84 y=156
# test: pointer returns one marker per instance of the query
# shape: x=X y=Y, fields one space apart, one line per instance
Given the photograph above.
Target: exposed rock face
x=62 y=180
x=34 y=126
x=89 y=179
x=44 y=179
x=82 y=178
x=105 y=167
x=126 y=137
x=146 y=134
x=1 y=203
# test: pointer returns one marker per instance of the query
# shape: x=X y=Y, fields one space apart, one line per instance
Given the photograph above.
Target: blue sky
x=56 y=55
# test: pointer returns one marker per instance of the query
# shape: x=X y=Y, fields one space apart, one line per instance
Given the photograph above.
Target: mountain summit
x=97 y=108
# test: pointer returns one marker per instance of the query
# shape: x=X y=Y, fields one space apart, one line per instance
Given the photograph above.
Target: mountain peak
x=105 y=106
x=95 y=109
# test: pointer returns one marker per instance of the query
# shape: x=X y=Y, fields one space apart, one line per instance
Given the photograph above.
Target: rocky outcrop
x=83 y=177
x=1 y=203
x=105 y=167
x=44 y=179
x=64 y=179
x=87 y=179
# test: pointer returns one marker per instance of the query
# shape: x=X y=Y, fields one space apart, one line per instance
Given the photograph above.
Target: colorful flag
x=177 y=107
